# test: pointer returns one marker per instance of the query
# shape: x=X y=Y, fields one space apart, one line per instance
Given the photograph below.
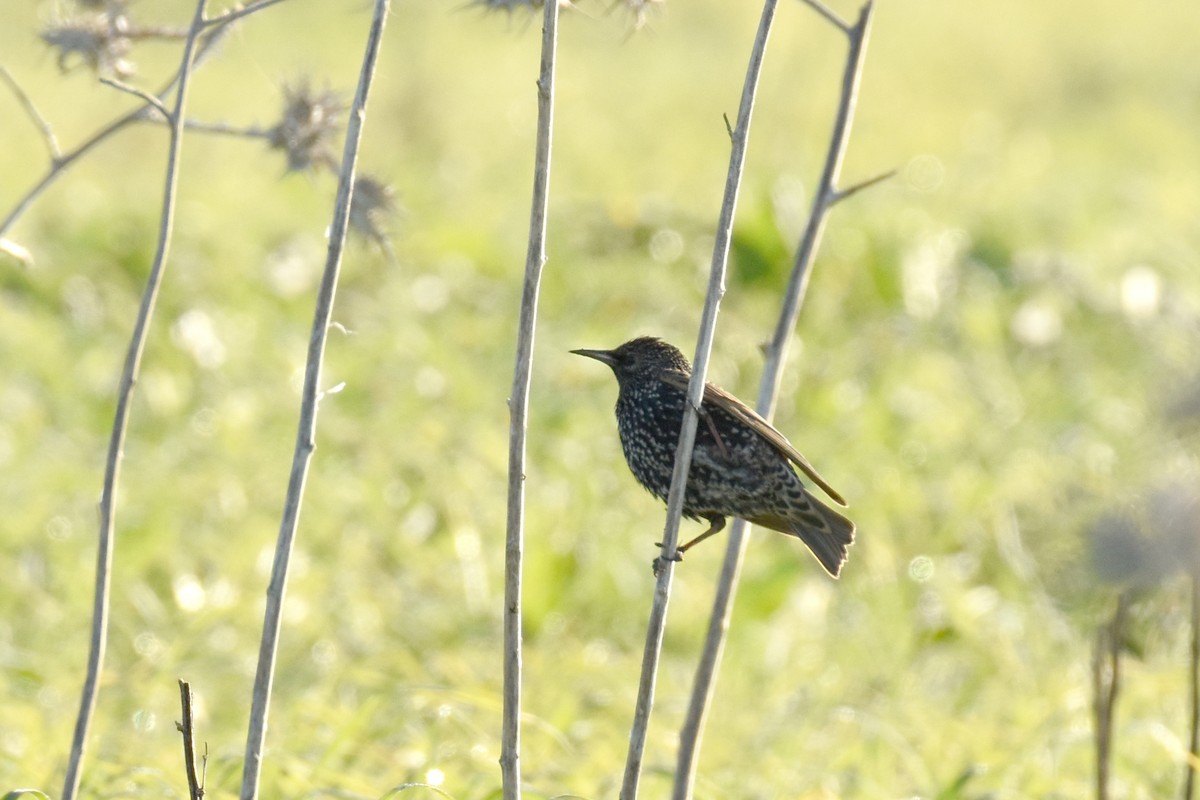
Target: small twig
x=145 y=96
x=842 y=194
x=234 y=14
x=116 y=445
x=1190 y=764
x=154 y=32
x=728 y=126
x=30 y=109
x=226 y=129
x=828 y=13
x=1106 y=684
x=188 y=729
x=307 y=425
x=518 y=408
x=60 y=165
x=683 y=454
x=776 y=356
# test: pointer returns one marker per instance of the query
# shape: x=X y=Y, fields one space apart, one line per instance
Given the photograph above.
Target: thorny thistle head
x=310 y=122
x=100 y=39
x=638 y=9
x=372 y=206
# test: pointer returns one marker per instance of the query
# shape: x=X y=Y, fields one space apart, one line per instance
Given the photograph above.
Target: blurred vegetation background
x=998 y=351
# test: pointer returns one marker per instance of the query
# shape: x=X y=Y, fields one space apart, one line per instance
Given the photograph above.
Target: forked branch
x=203 y=39
x=116 y=445
x=656 y=626
x=825 y=196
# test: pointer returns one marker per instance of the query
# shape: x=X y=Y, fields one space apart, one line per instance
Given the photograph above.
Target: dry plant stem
x=518 y=406
x=1106 y=683
x=236 y=13
x=188 y=729
x=116 y=445
x=60 y=164
x=825 y=197
x=60 y=161
x=226 y=129
x=1192 y=762
x=149 y=99
x=30 y=109
x=309 y=401
x=656 y=626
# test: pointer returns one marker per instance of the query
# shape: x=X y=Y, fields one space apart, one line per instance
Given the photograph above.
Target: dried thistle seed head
x=310 y=122
x=372 y=207
x=639 y=9
x=99 y=39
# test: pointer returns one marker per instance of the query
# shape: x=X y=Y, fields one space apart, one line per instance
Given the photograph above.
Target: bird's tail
x=826 y=532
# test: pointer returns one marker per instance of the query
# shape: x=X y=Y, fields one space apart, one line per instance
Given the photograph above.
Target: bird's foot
x=660 y=563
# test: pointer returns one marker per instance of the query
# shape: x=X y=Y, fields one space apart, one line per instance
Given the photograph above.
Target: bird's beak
x=604 y=356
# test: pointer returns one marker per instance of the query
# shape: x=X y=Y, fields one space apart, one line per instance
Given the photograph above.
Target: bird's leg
x=716 y=523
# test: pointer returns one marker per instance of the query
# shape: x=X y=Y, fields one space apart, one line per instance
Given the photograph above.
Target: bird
x=741 y=465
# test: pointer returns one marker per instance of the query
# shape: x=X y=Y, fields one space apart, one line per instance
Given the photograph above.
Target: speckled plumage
x=741 y=466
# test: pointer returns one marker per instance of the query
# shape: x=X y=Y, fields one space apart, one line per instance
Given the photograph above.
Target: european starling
x=741 y=466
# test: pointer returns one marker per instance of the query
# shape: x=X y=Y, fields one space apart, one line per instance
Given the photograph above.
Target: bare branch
x=687 y=437
x=236 y=13
x=116 y=446
x=34 y=114
x=1191 y=764
x=1106 y=685
x=823 y=198
x=188 y=729
x=226 y=129
x=839 y=195
x=65 y=160
x=146 y=97
x=829 y=14
x=155 y=32
x=309 y=404
x=514 y=537
x=61 y=164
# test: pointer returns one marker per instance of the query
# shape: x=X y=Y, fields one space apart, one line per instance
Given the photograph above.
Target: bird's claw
x=660 y=563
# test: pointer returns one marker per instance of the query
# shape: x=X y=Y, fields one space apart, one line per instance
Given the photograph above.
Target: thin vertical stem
x=518 y=405
x=309 y=403
x=1193 y=759
x=825 y=197
x=1106 y=684
x=683 y=455
x=116 y=443
x=187 y=727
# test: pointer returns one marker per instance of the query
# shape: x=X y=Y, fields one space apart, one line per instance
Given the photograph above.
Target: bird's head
x=640 y=358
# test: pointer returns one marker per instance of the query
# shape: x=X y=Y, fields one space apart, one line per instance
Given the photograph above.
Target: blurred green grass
x=966 y=373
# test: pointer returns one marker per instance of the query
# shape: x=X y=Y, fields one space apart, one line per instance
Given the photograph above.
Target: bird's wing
x=727 y=402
